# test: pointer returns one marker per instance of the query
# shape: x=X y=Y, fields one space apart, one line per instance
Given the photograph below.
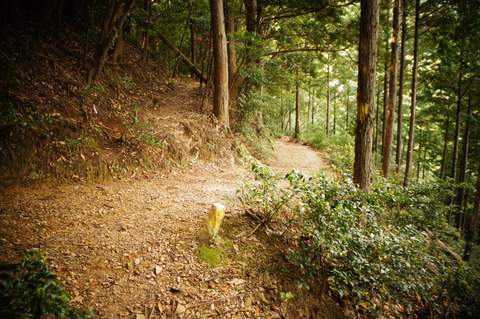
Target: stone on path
x=215 y=218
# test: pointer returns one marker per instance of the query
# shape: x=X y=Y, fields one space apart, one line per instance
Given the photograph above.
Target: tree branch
x=304 y=50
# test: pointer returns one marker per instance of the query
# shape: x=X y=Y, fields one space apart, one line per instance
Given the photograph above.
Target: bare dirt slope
x=129 y=247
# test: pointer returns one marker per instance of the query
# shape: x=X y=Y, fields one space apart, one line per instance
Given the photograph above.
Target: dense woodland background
x=292 y=69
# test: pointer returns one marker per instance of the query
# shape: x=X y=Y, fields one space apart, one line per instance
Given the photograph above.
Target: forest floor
x=129 y=248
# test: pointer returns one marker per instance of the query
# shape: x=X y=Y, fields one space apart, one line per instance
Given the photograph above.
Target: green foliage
x=286 y=297
x=30 y=290
x=262 y=197
x=126 y=81
x=212 y=256
x=251 y=124
x=28 y=118
x=339 y=147
x=143 y=130
x=374 y=249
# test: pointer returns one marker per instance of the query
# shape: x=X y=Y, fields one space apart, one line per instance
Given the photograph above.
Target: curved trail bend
x=129 y=247
x=290 y=155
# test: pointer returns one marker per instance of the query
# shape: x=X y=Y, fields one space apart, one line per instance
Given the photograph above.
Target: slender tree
x=369 y=20
x=117 y=12
x=233 y=79
x=398 y=159
x=413 y=105
x=296 y=133
x=220 y=92
x=387 y=144
x=327 y=116
x=472 y=228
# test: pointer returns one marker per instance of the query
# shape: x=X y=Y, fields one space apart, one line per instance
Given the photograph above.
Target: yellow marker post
x=215 y=218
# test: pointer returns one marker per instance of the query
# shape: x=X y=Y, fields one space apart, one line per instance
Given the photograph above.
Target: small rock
x=248 y=303
x=181 y=309
x=137 y=261
x=158 y=270
x=262 y=298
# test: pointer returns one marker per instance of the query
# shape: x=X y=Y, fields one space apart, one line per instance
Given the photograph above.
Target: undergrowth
x=374 y=251
x=340 y=148
x=30 y=290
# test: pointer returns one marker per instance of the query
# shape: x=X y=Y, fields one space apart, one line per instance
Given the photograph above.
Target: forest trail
x=290 y=155
x=129 y=247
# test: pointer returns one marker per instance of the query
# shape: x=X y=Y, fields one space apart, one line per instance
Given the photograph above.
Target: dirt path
x=290 y=155
x=128 y=248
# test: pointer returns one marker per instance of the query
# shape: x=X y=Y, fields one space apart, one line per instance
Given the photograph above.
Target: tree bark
x=443 y=166
x=462 y=176
x=296 y=134
x=327 y=118
x=193 y=48
x=220 y=55
x=473 y=221
x=187 y=23
x=184 y=58
x=458 y=115
x=147 y=6
x=398 y=159
x=413 y=105
x=233 y=80
x=118 y=11
x=369 y=20
x=118 y=49
x=387 y=144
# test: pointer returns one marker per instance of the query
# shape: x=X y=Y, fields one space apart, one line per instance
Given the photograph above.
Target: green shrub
x=339 y=147
x=373 y=249
x=30 y=290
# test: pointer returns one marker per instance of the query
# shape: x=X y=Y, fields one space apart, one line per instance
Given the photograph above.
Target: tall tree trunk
x=443 y=166
x=118 y=11
x=460 y=199
x=376 y=130
x=385 y=97
x=147 y=7
x=458 y=115
x=220 y=92
x=456 y=136
x=413 y=105
x=347 y=110
x=233 y=80
x=472 y=228
x=251 y=25
x=180 y=48
x=387 y=144
x=193 y=48
x=118 y=49
x=369 y=20
x=185 y=59
x=420 y=148
x=398 y=159
x=296 y=134
x=327 y=119
x=313 y=109
x=334 y=113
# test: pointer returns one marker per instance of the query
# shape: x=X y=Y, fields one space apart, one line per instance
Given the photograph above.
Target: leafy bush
x=340 y=147
x=30 y=290
x=372 y=249
x=263 y=199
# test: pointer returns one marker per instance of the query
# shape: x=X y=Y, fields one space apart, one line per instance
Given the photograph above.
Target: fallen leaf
x=236 y=281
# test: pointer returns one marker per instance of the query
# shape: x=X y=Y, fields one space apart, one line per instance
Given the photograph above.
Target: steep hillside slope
x=53 y=126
